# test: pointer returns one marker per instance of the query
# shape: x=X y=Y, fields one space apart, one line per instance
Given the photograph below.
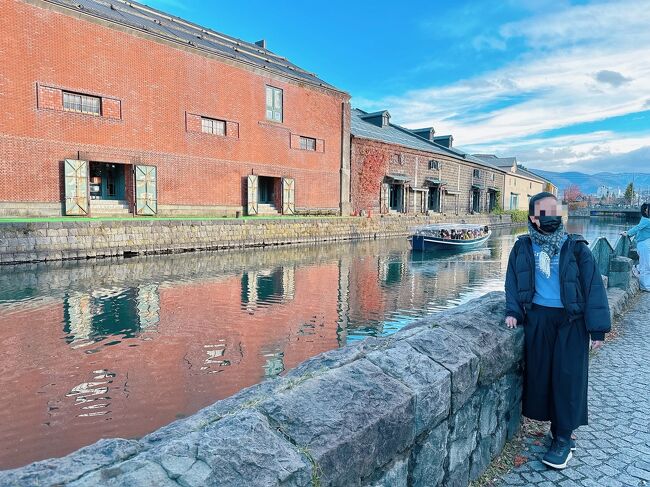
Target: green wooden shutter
x=383 y=198
x=146 y=194
x=288 y=196
x=76 y=187
x=252 y=203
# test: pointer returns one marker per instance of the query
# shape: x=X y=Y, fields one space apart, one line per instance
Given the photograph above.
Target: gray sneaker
x=559 y=454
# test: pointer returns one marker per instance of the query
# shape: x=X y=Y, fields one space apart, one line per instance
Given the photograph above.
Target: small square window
x=434 y=165
x=307 y=143
x=273 y=104
x=477 y=173
x=74 y=102
x=213 y=126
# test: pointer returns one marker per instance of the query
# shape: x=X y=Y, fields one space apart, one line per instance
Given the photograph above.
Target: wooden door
x=76 y=187
x=252 y=207
x=288 y=196
x=146 y=190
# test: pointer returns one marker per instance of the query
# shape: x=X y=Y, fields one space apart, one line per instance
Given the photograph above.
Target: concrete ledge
x=430 y=405
x=46 y=241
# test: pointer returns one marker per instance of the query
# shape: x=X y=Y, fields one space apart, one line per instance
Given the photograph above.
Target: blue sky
x=561 y=85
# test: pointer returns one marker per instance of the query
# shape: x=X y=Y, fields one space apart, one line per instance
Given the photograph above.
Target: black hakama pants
x=556 y=368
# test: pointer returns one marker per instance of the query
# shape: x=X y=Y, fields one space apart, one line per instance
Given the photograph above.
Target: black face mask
x=549 y=224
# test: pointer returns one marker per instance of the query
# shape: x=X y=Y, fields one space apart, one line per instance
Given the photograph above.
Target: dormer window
x=380 y=119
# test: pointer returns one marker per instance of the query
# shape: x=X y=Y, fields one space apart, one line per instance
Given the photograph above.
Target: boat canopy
x=450 y=226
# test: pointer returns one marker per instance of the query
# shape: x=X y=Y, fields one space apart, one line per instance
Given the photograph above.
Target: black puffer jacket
x=581 y=286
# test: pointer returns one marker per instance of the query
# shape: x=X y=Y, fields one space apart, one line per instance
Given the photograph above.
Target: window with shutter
x=273 y=104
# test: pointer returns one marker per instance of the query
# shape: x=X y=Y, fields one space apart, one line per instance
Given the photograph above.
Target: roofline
x=523 y=176
x=452 y=152
x=81 y=13
x=476 y=160
x=458 y=158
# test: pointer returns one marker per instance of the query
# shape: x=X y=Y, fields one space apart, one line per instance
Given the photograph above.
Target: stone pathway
x=614 y=450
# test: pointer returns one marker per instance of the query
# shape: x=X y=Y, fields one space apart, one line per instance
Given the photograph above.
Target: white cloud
x=586 y=63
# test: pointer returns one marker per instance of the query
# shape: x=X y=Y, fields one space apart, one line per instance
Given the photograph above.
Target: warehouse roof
x=175 y=29
x=360 y=126
x=507 y=163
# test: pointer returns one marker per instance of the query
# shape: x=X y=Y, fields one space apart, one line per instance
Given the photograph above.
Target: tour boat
x=449 y=237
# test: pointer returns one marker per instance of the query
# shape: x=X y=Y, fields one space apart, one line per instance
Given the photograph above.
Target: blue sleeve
x=597 y=316
x=513 y=308
x=644 y=223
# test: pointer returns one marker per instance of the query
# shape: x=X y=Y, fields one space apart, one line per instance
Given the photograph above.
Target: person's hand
x=596 y=344
x=511 y=322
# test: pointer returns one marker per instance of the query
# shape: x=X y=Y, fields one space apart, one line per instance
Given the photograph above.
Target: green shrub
x=518 y=216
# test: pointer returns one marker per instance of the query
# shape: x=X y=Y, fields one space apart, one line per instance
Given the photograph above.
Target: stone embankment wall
x=42 y=241
x=430 y=405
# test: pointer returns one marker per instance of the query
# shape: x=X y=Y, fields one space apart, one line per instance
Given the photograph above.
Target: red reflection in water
x=198 y=342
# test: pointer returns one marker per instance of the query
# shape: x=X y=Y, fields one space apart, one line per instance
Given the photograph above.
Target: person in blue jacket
x=555 y=290
x=641 y=233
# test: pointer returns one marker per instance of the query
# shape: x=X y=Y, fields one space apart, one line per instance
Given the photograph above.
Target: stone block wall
x=428 y=406
x=43 y=241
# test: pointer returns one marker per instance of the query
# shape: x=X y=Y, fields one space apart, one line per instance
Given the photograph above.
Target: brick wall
x=371 y=161
x=145 y=104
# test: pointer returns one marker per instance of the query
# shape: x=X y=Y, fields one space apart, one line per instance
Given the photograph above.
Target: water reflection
x=116 y=312
x=119 y=348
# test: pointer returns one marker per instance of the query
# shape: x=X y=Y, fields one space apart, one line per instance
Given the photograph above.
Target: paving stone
x=614 y=449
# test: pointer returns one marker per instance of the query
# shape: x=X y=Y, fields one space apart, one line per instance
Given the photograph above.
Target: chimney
x=261 y=43
x=426 y=133
x=444 y=140
x=380 y=119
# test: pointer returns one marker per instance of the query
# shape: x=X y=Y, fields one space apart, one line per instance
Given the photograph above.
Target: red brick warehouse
x=117 y=108
x=398 y=170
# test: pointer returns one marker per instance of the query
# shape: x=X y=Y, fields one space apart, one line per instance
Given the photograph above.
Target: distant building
x=119 y=108
x=398 y=170
x=520 y=183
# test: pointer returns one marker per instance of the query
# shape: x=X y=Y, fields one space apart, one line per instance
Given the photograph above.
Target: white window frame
x=78 y=103
x=213 y=126
x=308 y=143
x=274 y=104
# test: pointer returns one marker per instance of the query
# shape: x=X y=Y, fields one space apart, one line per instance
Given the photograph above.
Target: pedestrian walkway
x=614 y=450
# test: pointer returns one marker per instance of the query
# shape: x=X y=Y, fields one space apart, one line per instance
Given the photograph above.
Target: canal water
x=118 y=348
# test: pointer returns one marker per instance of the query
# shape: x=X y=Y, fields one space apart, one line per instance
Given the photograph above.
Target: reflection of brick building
x=116 y=107
x=396 y=170
x=63 y=390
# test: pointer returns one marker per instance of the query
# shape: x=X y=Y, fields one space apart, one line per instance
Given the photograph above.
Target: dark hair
x=645 y=209
x=536 y=198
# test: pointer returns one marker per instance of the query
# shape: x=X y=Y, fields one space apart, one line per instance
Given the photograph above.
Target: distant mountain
x=589 y=183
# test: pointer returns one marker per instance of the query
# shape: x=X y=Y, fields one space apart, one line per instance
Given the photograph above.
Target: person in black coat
x=554 y=288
